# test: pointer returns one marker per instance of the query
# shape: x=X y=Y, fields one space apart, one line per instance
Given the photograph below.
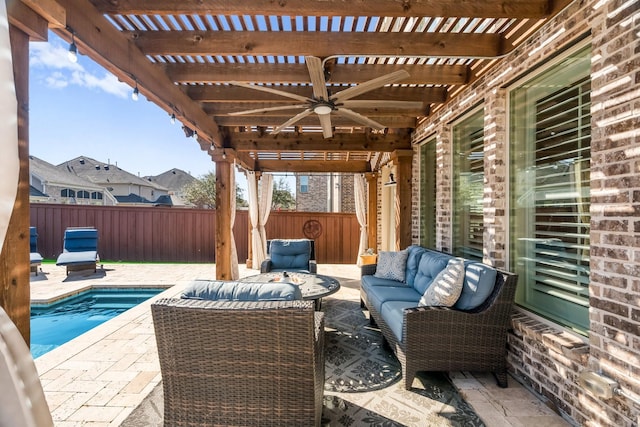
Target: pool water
x=54 y=324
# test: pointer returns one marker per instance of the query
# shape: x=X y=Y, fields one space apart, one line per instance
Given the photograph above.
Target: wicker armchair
x=446 y=339
x=238 y=363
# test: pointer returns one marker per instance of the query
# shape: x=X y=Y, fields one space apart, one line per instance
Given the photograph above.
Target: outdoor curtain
x=361 y=212
x=259 y=210
x=235 y=273
x=9 y=162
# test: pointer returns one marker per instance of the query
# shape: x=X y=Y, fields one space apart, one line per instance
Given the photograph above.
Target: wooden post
x=372 y=210
x=223 y=219
x=14 y=257
x=403 y=160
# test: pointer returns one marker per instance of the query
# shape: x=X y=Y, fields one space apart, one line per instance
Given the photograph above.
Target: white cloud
x=58 y=72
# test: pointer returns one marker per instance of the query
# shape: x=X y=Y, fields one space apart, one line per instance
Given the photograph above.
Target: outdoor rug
x=363 y=384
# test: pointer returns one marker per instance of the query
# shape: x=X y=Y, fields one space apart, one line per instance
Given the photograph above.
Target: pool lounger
x=80 y=249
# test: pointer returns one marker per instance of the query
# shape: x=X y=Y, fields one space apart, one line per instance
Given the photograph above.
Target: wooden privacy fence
x=161 y=234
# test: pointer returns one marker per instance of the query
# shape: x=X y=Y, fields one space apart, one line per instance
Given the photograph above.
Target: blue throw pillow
x=479 y=282
x=392 y=265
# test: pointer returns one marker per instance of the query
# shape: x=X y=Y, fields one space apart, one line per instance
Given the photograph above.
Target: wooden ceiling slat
x=354 y=166
x=390 y=8
x=320 y=44
x=224 y=109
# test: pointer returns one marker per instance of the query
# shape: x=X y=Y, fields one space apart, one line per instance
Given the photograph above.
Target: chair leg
x=501 y=378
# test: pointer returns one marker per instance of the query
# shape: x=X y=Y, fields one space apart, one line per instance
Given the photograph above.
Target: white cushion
x=392 y=265
x=446 y=287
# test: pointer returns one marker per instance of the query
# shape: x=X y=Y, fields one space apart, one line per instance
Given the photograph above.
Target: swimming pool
x=54 y=324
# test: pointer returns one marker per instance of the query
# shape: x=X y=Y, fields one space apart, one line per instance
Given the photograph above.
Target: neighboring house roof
x=34 y=192
x=104 y=173
x=174 y=180
x=53 y=175
x=164 y=200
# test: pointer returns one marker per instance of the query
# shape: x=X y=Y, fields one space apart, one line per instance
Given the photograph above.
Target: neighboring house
x=175 y=181
x=50 y=184
x=126 y=187
x=325 y=193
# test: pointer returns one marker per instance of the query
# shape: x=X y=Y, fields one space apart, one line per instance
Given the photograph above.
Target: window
x=304 y=184
x=66 y=192
x=428 y=194
x=550 y=133
x=468 y=186
x=96 y=195
x=81 y=194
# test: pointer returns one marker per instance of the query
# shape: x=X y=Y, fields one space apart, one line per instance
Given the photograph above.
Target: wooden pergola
x=194 y=59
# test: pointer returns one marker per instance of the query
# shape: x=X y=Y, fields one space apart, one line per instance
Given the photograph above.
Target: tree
x=282 y=195
x=202 y=192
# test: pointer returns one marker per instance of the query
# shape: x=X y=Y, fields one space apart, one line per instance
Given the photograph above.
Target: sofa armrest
x=368 y=270
x=265 y=267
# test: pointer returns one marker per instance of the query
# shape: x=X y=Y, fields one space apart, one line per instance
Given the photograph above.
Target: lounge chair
x=22 y=401
x=240 y=362
x=290 y=255
x=80 y=249
x=34 y=256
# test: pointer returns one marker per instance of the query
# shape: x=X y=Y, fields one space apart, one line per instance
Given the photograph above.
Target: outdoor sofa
x=234 y=353
x=468 y=335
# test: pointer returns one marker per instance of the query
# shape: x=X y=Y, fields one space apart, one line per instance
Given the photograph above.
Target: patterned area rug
x=358 y=362
x=363 y=386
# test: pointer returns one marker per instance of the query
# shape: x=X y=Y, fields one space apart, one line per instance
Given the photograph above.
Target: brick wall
x=543 y=355
x=317 y=198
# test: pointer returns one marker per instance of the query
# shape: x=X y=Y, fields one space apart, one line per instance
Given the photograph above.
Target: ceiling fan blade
x=271 y=90
x=354 y=91
x=267 y=109
x=357 y=117
x=412 y=105
x=325 y=122
x=316 y=72
x=292 y=120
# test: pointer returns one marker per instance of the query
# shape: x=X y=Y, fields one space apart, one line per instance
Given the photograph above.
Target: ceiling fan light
x=322 y=109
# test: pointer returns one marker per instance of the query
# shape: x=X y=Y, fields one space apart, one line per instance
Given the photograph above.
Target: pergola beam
x=298 y=73
x=350 y=142
x=321 y=44
x=311 y=166
x=234 y=94
x=534 y=9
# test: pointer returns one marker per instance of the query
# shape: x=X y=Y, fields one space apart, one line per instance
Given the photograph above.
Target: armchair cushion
x=216 y=290
x=392 y=265
x=290 y=254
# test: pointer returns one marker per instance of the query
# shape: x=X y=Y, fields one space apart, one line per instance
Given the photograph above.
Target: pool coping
x=90 y=287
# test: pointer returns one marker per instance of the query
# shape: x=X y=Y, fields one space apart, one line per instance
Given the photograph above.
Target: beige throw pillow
x=446 y=287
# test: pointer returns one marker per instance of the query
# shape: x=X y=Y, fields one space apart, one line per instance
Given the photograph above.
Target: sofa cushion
x=378 y=295
x=290 y=254
x=478 y=285
x=446 y=287
x=71 y=258
x=413 y=262
x=431 y=263
x=377 y=281
x=393 y=314
x=240 y=291
x=392 y=265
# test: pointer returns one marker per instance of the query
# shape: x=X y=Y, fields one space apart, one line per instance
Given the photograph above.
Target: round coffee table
x=312 y=286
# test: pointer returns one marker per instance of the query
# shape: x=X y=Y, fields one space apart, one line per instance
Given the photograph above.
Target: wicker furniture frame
x=240 y=363
x=446 y=339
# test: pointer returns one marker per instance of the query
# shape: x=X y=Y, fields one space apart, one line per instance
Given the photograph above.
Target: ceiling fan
x=323 y=104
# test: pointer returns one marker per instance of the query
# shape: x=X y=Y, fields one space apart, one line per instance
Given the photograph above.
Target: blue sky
x=82 y=109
